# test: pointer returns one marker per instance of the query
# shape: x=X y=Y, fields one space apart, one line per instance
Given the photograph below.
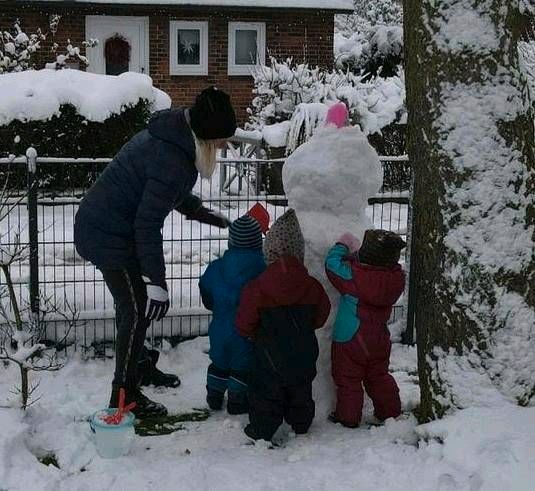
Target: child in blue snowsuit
x=221 y=286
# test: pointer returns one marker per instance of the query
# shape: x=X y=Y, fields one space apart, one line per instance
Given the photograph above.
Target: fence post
x=223 y=171
x=33 y=232
x=258 y=180
x=407 y=336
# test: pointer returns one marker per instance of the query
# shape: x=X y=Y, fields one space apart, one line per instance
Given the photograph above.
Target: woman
x=118 y=224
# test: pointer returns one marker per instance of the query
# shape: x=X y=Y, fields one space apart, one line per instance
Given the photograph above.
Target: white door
x=134 y=30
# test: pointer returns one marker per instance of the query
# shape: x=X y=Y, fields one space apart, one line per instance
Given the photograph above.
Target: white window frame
x=260 y=28
x=174 y=67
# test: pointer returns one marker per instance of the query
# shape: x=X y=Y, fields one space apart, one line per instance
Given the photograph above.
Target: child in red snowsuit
x=370 y=281
x=279 y=311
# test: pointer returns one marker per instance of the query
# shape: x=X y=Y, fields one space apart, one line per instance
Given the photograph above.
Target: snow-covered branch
x=70 y=54
x=21 y=329
x=17 y=48
x=286 y=91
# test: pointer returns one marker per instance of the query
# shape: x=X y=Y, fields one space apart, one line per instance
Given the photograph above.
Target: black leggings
x=130 y=296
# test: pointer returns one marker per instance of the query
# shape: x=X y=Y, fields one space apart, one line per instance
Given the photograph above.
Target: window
x=246 y=46
x=188 y=48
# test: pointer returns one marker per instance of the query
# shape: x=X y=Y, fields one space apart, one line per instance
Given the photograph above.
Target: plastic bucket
x=112 y=441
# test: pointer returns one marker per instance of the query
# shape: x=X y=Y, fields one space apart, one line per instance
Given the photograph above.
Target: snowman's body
x=328 y=181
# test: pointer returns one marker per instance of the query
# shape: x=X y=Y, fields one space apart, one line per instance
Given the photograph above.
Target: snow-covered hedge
x=371 y=39
x=369 y=13
x=286 y=91
x=73 y=113
x=377 y=51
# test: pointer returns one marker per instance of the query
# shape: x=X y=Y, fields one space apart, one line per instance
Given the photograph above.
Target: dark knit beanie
x=212 y=117
x=381 y=248
x=245 y=233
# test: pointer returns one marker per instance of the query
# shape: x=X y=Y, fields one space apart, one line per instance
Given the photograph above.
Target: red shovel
x=117 y=417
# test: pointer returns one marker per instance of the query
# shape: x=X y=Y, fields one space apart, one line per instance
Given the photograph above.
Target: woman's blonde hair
x=205 y=157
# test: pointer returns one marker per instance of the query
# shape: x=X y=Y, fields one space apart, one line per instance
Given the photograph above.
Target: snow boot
x=237 y=403
x=251 y=432
x=214 y=399
x=254 y=435
x=145 y=408
x=151 y=375
x=333 y=419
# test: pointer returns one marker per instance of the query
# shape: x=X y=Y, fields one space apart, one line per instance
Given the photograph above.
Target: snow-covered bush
x=70 y=113
x=17 y=48
x=387 y=12
x=371 y=39
x=286 y=91
x=280 y=88
x=369 y=13
x=376 y=51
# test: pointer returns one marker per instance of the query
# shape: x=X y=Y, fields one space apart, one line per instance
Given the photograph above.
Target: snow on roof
x=345 y=5
x=36 y=95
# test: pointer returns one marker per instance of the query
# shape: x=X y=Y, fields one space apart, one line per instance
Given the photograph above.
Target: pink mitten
x=350 y=241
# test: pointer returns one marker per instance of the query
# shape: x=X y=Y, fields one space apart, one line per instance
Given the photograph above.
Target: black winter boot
x=214 y=399
x=151 y=375
x=255 y=434
x=251 y=432
x=237 y=403
x=145 y=408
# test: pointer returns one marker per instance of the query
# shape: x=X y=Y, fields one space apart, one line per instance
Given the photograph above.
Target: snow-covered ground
x=486 y=448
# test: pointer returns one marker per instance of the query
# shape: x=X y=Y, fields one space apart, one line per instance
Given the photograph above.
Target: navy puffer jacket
x=119 y=221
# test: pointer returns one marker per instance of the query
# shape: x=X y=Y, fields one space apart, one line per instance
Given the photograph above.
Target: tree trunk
x=471 y=142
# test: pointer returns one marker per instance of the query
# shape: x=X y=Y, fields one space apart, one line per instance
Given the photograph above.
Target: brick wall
x=304 y=35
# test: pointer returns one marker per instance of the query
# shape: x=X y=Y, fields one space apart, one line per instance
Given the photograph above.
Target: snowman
x=328 y=181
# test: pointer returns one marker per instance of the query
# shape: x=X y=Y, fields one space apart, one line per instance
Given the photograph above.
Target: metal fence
x=45 y=218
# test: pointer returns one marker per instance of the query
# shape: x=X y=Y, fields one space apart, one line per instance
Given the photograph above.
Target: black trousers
x=271 y=403
x=130 y=296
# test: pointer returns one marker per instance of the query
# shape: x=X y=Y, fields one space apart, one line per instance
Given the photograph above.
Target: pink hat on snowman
x=337 y=115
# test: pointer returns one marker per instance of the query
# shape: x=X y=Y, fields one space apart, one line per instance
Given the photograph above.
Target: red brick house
x=185 y=45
